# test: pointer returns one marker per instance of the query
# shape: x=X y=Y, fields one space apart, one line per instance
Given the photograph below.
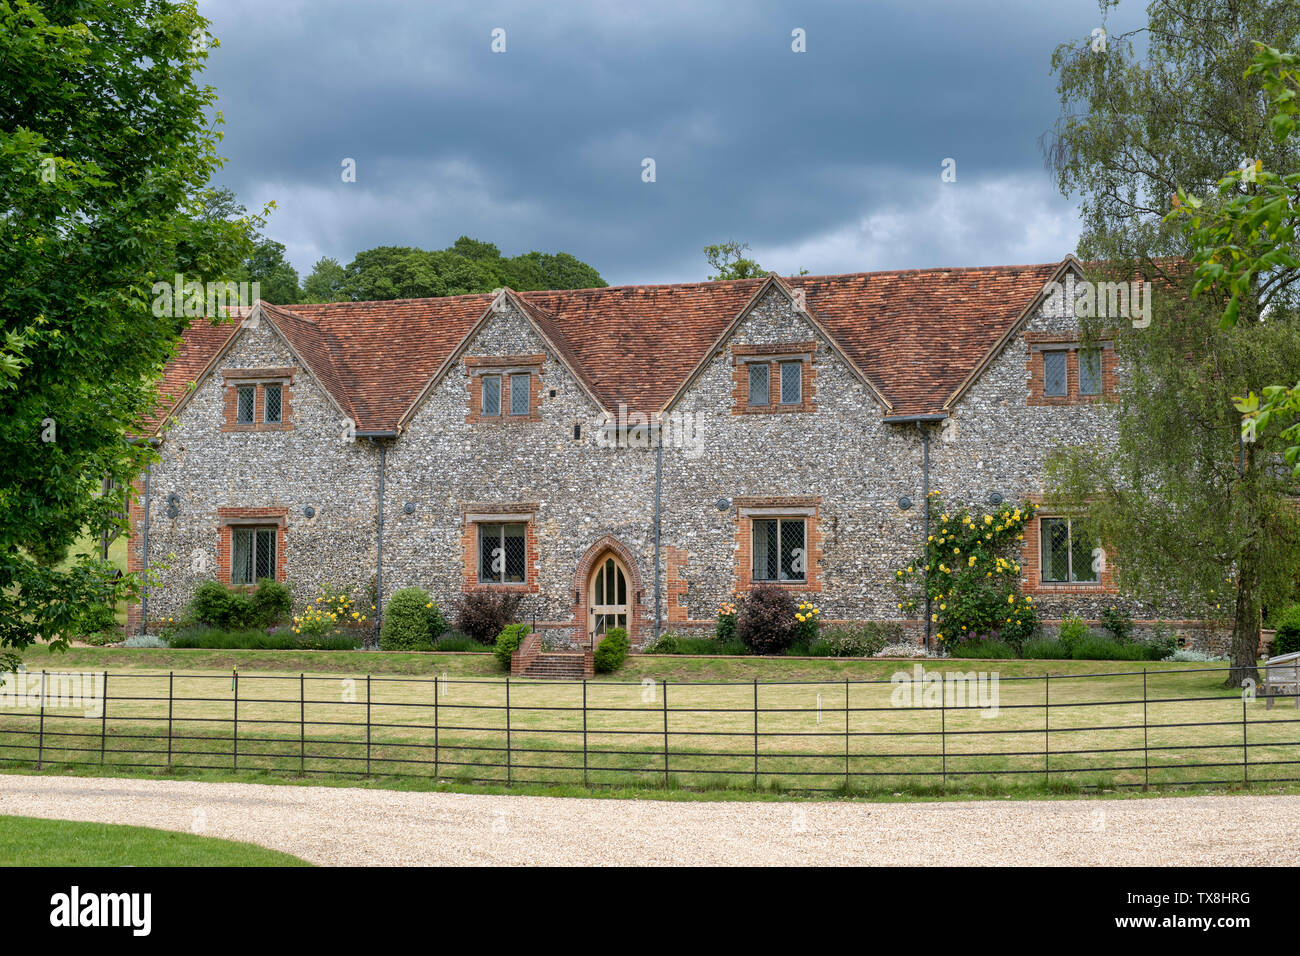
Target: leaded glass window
x=791 y=383
x=273 y=404
x=502 y=550
x=491 y=399
x=758 y=383
x=1054 y=380
x=252 y=555
x=1067 y=554
x=779 y=553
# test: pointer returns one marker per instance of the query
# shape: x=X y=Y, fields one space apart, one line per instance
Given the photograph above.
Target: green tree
x=267 y=265
x=105 y=152
x=1246 y=244
x=467 y=266
x=728 y=261
x=1194 y=520
x=326 y=282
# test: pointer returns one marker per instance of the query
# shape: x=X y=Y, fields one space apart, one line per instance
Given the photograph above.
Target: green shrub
x=1287 y=638
x=96 y=619
x=460 y=643
x=611 y=652
x=1072 y=631
x=406 y=622
x=483 y=615
x=982 y=648
x=766 y=623
x=270 y=603
x=667 y=643
x=102 y=638
x=508 y=641
x=217 y=606
x=1045 y=648
x=256 y=640
x=861 y=640
x=1096 y=647
x=1117 y=621
x=1021 y=626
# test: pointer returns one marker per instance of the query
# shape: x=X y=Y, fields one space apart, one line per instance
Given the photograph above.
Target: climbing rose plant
x=974 y=574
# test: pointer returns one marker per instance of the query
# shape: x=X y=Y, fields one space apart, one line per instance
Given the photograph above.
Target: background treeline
x=404 y=272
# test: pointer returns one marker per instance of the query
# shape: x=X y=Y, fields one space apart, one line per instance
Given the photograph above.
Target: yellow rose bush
x=971 y=566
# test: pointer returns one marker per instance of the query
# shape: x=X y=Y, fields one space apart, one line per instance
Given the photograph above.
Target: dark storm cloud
x=827 y=160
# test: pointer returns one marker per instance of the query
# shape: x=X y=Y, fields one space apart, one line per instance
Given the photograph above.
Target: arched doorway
x=608 y=597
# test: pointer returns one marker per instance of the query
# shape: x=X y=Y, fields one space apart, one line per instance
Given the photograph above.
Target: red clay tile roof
x=201 y=343
x=916 y=334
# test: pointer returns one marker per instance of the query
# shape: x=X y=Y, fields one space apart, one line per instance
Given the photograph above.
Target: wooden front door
x=607 y=598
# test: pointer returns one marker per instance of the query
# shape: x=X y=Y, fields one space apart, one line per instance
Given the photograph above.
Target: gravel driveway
x=343 y=826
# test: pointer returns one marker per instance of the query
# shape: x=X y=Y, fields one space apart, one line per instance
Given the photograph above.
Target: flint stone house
x=500 y=442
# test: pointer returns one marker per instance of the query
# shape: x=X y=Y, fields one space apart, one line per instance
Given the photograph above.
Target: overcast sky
x=828 y=160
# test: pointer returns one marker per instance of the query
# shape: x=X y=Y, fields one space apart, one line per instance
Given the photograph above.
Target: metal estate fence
x=922 y=728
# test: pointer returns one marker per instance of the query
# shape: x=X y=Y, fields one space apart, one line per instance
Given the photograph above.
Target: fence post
x=510 y=776
x=103 y=721
x=234 y=752
x=40 y=740
x=171 y=696
x=1047 y=728
x=1245 y=744
x=665 y=697
x=1146 y=751
x=302 y=724
x=846 y=735
x=943 y=736
x=437 y=689
x=367 y=725
x=584 y=731
x=755 y=733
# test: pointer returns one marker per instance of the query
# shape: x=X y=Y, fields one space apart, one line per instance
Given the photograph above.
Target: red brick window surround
x=1035 y=581
x=499 y=547
x=772 y=530
x=789 y=379
x=511 y=385
x=1049 y=354
x=246 y=520
x=258 y=399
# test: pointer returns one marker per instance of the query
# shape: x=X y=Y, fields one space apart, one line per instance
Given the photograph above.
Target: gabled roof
x=916 y=337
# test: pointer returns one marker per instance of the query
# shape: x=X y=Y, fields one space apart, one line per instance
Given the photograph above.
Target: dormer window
x=521 y=393
x=258 y=399
x=759 y=382
x=491 y=404
x=773 y=378
x=791 y=383
x=273 y=404
x=247 y=404
x=505 y=388
x=1064 y=372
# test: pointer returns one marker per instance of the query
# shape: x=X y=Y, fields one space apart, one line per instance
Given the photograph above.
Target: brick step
x=557 y=664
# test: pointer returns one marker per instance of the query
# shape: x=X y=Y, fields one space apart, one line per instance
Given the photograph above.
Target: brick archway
x=637 y=613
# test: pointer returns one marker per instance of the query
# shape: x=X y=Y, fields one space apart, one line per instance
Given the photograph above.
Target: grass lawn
x=1110 y=724
x=30 y=841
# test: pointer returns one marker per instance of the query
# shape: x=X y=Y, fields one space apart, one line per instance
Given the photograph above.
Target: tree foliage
x=1198 y=520
x=466 y=266
x=105 y=153
x=728 y=261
